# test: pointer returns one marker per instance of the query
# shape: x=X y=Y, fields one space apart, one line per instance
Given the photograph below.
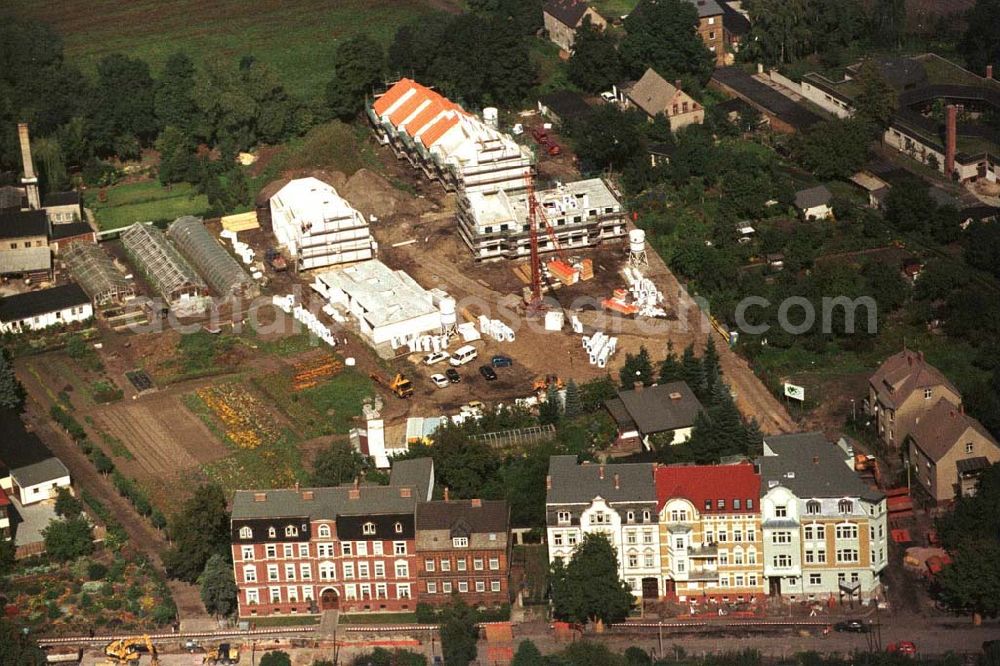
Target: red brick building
x=463 y=547
x=352 y=548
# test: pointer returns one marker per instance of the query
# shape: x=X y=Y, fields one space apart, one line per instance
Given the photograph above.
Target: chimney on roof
x=677 y=84
x=675 y=395
x=950 y=138
x=446 y=493
x=637 y=386
x=548 y=482
x=260 y=497
x=357 y=482
x=617 y=481
x=308 y=495
x=353 y=494
x=296 y=486
x=30 y=180
x=815 y=460
x=989 y=71
x=405 y=492
x=600 y=472
x=477 y=503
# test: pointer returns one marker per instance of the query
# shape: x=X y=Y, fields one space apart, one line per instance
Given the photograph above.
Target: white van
x=463 y=355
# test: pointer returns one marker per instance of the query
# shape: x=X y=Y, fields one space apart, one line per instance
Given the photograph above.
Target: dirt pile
x=372 y=194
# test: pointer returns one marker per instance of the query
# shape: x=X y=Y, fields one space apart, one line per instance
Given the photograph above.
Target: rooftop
x=70 y=229
x=661 y=407
x=810 y=466
x=312 y=200
x=784 y=108
x=23 y=223
x=479 y=515
x=868 y=181
x=42 y=471
x=35 y=303
x=652 y=93
x=706 y=485
x=903 y=373
x=501 y=208
x=566 y=104
x=567 y=12
x=387 y=296
x=18 y=447
x=813 y=196
x=71 y=198
x=25 y=260
x=707 y=8
x=573 y=483
x=942 y=428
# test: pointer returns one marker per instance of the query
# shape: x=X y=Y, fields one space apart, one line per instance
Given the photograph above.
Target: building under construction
x=222 y=273
x=447 y=143
x=168 y=271
x=93 y=269
x=580 y=214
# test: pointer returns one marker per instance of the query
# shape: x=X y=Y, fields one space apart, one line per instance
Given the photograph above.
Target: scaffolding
x=95 y=271
x=172 y=276
x=210 y=259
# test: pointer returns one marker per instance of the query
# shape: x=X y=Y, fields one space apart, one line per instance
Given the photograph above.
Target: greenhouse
x=95 y=271
x=169 y=272
x=212 y=261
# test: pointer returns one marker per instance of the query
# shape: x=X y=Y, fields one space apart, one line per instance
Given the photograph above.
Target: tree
x=199 y=530
x=173 y=97
x=68 y=538
x=574 y=401
x=637 y=368
x=8 y=552
x=693 y=372
x=51 y=164
x=663 y=35
x=889 y=21
x=550 y=411
x=459 y=634
x=358 y=66
x=710 y=364
x=382 y=657
x=594 y=65
x=11 y=391
x=528 y=655
x=178 y=159
x=15 y=647
x=670 y=367
x=589 y=587
x=595 y=392
x=336 y=464
x=275 y=658
x=971 y=583
x=876 y=100
x=979 y=45
x=121 y=109
x=67 y=506
x=779 y=32
x=218 y=588
x=834 y=148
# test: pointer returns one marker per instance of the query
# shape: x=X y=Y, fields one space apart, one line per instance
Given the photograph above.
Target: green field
x=612 y=9
x=295 y=37
x=143 y=202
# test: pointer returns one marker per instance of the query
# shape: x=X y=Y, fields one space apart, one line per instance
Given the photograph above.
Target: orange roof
x=437 y=130
x=408 y=106
x=426 y=115
x=393 y=94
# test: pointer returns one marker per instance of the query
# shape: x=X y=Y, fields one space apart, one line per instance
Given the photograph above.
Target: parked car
x=907 y=648
x=608 y=96
x=852 y=626
x=501 y=361
x=452 y=375
x=436 y=357
x=487 y=372
x=554 y=149
x=440 y=380
x=540 y=136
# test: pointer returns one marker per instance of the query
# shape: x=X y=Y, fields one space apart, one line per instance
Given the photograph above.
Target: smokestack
x=446 y=493
x=600 y=472
x=950 y=130
x=989 y=71
x=617 y=481
x=30 y=181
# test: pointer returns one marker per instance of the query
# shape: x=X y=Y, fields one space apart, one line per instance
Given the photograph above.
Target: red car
x=554 y=149
x=907 y=648
x=540 y=135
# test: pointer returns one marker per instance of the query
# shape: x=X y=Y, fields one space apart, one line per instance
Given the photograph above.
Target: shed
x=814 y=202
x=211 y=260
x=95 y=271
x=563 y=105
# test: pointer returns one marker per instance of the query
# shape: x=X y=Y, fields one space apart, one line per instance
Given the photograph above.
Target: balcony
x=704 y=552
x=703 y=574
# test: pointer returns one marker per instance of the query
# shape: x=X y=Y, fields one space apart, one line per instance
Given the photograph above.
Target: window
x=600 y=518
x=679 y=543
x=351 y=592
x=480 y=586
x=969 y=448
x=429 y=565
x=275 y=595
x=781 y=512
x=368 y=529
x=324 y=550
x=646 y=516
x=571 y=539
x=557 y=539
x=272 y=572
x=460 y=542
x=403 y=591
x=307 y=593
x=723 y=557
x=630 y=516
x=708 y=505
x=647 y=560
x=291 y=531
x=782 y=561
x=305 y=572
x=324 y=532
x=381 y=591
x=563 y=517
x=253 y=596
x=847 y=531
x=751 y=556
x=303 y=550
x=494 y=564
x=847 y=555
x=722 y=535
x=494 y=586
x=362 y=549
x=478 y=564
x=720 y=504
x=250 y=574
x=633 y=560
x=723 y=581
x=647 y=537
x=781 y=537
x=287 y=550
x=749 y=504
x=399 y=547
x=820 y=557
x=810 y=557
x=737 y=535
x=813 y=507
x=346 y=549
x=398 y=528
x=680 y=566
x=348 y=570
x=363 y=571
x=327 y=571
x=630 y=538
x=246 y=533
x=272 y=533
x=815 y=579
x=445 y=565
x=928 y=393
x=446 y=587
x=380 y=569
x=738 y=556
x=463 y=586
x=736 y=505
x=247 y=552
x=402 y=570
x=845 y=506
x=432 y=588
x=289 y=572
x=377 y=548
x=461 y=564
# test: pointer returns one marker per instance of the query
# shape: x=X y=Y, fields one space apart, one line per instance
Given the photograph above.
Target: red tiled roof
x=437 y=130
x=427 y=114
x=4 y=500
x=701 y=483
x=407 y=106
x=393 y=94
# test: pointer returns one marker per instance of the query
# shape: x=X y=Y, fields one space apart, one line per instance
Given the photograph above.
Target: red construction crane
x=537 y=218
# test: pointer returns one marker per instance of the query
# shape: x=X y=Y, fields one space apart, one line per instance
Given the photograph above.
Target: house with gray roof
x=562 y=18
x=29 y=473
x=618 y=501
x=667 y=411
x=814 y=203
x=825 y=530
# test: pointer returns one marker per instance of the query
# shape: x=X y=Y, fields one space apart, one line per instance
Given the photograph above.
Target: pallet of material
x=586 y=268
x=241 y=222
x=522 y=272
x=563 y=272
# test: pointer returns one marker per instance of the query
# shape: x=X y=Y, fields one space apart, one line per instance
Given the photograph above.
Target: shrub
x=96 y=571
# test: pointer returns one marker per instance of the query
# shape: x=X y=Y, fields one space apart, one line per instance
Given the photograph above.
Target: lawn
x=143 y=202
x=612 y=9
x=329 y=408
x=297 y=38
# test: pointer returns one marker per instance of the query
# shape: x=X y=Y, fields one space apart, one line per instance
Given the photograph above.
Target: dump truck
x=399 y=385
x=225 y=654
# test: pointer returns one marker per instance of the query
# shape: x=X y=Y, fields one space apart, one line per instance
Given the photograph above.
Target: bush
x=164 y=614
x=96 y=571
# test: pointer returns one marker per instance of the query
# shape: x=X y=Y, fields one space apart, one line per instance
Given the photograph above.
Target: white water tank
x=636 y=240
x=491 y=117
x=447 y=309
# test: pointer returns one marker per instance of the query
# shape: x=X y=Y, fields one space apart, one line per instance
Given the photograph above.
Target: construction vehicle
x=869 y=467
x=126 y=651
x=275 y=260
x=542 y=384
x=224 y=654
x=399 y=385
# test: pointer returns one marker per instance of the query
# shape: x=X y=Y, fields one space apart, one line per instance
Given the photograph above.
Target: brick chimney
x=476 y=503
x=30 y=180
x=989 y=71
x=600 y=472
x=446 y=493
x=308 y=495
x=617 y=481
x=637 y=386
x=950 y=137
x=548 y=482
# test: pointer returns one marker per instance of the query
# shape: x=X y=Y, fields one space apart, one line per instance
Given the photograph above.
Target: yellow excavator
x=399 y=385
x=128 y=651
x=224 y=654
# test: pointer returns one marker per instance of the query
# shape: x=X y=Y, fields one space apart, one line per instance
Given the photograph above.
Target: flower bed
x=246 y=420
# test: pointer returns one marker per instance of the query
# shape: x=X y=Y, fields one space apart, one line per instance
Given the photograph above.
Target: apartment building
x=463 y=548
x=349 y=548
x=710 y=529
x=581 y=214
x=618 y=501
x=824 y=530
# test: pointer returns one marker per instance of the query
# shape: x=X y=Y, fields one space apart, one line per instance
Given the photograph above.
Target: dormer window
x=845 y=506
x=368 y=529
x=645 y=516
x=399 y=528
x=324 y=531
x=813 y=507
x=271 y=532
x=928 y=393
x=749 y=504
x=781 y=512
x=460 y=542
x=708 y=505
x=563 y=517
x=246 y=533
x=630 y=516
x=291 y=531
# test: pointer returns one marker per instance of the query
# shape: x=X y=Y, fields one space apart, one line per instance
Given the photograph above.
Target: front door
x=329 y=600
x=775 y=582
x=650 y=589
